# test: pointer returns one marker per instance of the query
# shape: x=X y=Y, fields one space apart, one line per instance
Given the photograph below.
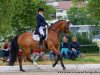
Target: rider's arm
x=38 y=18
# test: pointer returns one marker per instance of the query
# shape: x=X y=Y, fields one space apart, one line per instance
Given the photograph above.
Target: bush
x=89 y=49
x=0 y=53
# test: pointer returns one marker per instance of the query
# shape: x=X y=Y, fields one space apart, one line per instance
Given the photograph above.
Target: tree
x=26 y=20
x=5 y=17
x=94 y=9
x=80 y=15
x=18 y=16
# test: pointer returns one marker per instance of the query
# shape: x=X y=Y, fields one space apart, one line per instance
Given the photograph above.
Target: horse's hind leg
x=27 y=52
x=28 y=57
x=20 y=59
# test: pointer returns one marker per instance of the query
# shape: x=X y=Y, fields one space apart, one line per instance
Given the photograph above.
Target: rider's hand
x=46 y=26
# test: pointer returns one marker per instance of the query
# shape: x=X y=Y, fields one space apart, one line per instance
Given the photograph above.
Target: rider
x=41 y=24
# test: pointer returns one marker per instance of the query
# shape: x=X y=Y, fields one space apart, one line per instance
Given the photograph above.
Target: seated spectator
x=74 y=48
x=5 y=49
x=65 y=48
x=36 y=55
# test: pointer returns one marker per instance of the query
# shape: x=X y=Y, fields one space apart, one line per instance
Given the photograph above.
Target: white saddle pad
x=37 y=38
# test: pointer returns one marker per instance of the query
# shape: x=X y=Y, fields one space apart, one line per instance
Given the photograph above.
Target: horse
x=26 y=43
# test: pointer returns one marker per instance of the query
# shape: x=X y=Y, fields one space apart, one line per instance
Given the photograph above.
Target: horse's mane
x=53 y=24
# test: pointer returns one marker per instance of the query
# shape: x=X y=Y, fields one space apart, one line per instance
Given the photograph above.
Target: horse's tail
x=14 y=47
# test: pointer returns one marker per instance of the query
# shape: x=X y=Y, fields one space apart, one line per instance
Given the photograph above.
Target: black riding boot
x=40 y=42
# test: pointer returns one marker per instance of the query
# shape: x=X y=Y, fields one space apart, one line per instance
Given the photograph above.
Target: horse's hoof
x=35 y=64
x=64 y=68
x=22 y=70
x=10 y=64
x=53 y=65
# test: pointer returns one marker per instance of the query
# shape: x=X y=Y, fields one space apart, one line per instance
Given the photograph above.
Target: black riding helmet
x=40 y=9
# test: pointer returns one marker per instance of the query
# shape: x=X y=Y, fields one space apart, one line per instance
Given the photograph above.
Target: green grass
x=87 y=60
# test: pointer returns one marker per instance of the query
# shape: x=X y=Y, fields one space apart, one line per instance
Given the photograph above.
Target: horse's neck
x=56 y=28
x=54 y=34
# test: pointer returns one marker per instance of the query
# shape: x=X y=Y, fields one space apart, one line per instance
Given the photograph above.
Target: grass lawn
x=87 y=60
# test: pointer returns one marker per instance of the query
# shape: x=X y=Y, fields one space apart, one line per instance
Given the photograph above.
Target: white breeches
x=41 y=31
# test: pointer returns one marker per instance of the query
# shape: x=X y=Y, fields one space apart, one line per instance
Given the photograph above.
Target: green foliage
x=26 y=21
x=85 y=60
x=18 y=16
x=84 y=38
x=84 y=12
x=5 y=17
x=80 y=16
x=94 y=9
x=89 y=49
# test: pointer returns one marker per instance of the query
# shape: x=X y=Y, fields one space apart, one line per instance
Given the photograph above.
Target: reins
x=58 y=32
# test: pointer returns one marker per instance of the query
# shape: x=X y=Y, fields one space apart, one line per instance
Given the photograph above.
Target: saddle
x=36 y=37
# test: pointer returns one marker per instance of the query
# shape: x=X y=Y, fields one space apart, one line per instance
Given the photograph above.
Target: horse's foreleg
x=59 y=57
x=56 y=61
x=61 y=60
x=20 y=59
x=51 y=47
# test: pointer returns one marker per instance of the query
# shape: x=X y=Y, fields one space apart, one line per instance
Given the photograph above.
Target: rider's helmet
x=40 y=9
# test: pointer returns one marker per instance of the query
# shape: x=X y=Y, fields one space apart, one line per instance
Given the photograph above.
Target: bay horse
x=26 y=43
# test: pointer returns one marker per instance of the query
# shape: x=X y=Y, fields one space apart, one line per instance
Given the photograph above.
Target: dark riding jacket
x=75 y=45
x=65 y=45
x=40 y=20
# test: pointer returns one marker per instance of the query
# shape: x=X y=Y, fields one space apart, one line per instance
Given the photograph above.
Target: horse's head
x=66 y=26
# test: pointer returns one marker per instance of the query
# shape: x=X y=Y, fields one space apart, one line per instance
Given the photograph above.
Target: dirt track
x=71 y=69
x=46 y=73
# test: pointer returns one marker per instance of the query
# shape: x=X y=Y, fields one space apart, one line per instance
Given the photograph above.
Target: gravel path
x=71 y=69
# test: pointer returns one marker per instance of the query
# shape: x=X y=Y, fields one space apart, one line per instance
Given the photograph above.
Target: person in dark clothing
x=65 y=48
x=41 y=24
x=5 y=49
x=74 y=48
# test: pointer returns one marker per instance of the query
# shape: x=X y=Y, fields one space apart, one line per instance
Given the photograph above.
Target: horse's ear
x=68 y=21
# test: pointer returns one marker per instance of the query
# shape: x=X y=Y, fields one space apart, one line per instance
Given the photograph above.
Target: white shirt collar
x=41 y=14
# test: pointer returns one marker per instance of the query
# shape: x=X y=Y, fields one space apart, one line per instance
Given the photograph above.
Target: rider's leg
x=42 y=35
x=40 y=42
